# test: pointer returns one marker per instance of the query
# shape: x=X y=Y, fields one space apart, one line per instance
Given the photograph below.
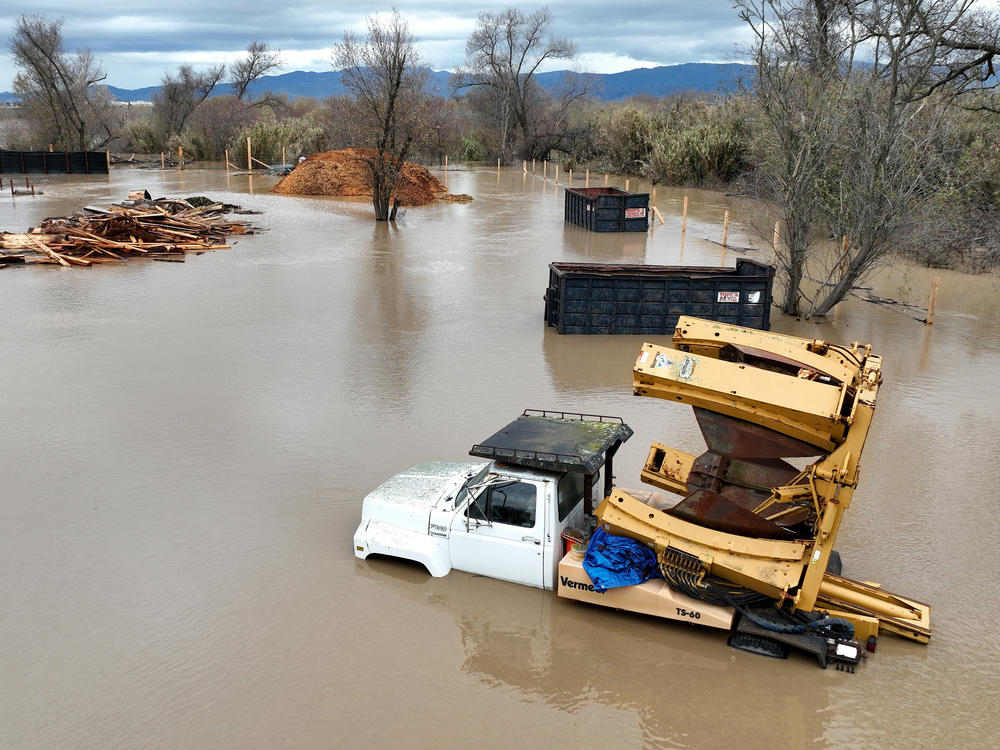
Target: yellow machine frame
x=808 y=390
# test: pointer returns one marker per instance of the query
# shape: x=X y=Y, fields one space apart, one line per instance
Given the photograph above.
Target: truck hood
x=406 y=500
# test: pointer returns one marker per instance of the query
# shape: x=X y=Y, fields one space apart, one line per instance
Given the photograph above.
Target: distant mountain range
x=666 y=79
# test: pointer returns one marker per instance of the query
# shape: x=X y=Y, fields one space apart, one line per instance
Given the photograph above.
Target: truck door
x=500 y=533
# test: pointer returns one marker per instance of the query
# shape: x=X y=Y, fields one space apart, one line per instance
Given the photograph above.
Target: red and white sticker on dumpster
x=729 y=297
x=635 y=213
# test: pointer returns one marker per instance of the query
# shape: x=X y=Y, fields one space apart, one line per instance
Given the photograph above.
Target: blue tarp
x=613 y=561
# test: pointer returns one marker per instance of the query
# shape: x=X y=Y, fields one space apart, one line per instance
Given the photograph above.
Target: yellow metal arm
x=747 y=515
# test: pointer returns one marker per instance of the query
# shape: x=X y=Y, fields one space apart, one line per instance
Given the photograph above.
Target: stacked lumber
x=164 y=229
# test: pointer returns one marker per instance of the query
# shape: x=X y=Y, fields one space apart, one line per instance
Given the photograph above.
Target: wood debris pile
x=164 y=229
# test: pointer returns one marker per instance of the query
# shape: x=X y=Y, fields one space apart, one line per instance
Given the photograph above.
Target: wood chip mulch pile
x=343 y=173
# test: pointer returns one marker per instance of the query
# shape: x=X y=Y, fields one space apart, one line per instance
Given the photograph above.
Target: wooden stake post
x=725 y=228
x=251 y=159
x=229 y=164
x=684 y=216
x=932 y=303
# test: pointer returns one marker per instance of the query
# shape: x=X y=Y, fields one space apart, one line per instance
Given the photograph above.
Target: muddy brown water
x=186 y=447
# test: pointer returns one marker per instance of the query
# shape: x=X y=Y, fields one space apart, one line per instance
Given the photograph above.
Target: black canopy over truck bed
x=559 y=442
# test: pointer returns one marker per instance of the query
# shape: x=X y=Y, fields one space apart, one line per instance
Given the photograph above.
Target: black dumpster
x=607 y=209
x=639 y=299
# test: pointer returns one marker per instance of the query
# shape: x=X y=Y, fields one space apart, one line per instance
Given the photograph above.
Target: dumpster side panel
x=636 y=299
x=607 y=209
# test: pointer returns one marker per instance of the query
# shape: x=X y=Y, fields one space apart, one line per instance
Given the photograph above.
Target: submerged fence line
x=47 y=162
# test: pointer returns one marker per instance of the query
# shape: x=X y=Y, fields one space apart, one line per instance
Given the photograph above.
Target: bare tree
x=180 y=94
x=898 y=142
x=795 y=70
x=387 y=85
x=214 y=126
x=963 y=41
x=259 y=61
x=60 y=88
x=444 y=124
x=503 y=56
x=854 y=98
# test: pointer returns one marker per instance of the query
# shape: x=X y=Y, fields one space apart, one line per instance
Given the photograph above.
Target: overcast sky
x=137 y=42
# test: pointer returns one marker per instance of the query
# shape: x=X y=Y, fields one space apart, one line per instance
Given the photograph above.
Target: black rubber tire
x=756 y=644
x=835 y=565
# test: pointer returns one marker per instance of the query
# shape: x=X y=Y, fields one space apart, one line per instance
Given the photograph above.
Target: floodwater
x=186 y=448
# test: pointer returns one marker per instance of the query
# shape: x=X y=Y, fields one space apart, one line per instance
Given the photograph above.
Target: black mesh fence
x=46 y=162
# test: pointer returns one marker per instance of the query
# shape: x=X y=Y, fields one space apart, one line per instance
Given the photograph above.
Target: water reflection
x=389 y=318
x=189 y=445
x=628 y=247
x=573 y=656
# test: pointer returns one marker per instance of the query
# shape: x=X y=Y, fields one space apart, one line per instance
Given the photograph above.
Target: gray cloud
x=138 y=42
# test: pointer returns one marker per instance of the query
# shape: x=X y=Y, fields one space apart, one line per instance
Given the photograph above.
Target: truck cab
x=503 y=516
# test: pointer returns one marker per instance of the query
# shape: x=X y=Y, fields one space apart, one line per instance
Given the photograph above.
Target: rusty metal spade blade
x=729 y=436
x=761 y=474
x=713 y=511
x=741 y=467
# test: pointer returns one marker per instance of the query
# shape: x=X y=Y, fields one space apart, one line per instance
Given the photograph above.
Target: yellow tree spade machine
x=752 y=531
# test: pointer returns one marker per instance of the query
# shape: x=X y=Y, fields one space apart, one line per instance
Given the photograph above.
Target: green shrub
x=142 y=137
x=298 y=136
x=475 y=146
x=704 y=153
x=674 y=140
x=623 y=139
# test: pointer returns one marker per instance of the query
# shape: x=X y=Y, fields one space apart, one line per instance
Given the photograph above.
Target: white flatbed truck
x=504 y=515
